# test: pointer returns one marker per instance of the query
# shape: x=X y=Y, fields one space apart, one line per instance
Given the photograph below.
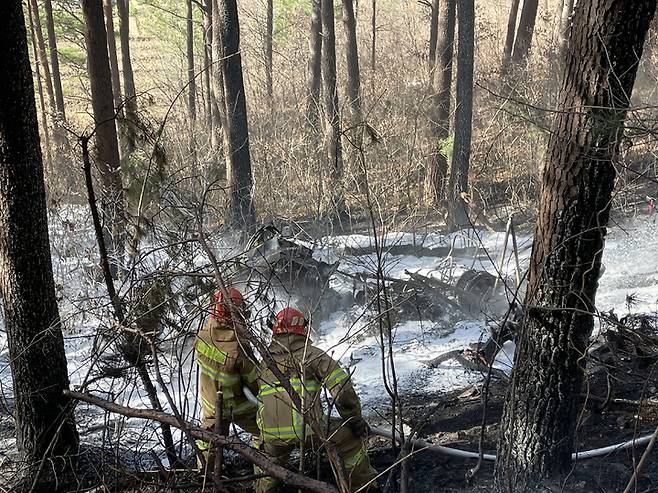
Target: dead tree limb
x=235 y=444
x=117 y=305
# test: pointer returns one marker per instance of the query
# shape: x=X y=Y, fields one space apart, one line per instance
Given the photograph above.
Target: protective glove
x=359 y=426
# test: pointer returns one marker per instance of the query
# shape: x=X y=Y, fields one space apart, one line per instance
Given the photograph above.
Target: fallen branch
x=458 y=356
x=235 y=444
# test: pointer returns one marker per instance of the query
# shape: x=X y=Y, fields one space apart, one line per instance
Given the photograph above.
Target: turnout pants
x=351 y=450
x=246 y=421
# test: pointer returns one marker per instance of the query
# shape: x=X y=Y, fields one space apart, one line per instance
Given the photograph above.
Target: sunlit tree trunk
x=353 y=96
x=240 y=213
x=335 y=209
x=43 y=416
x=191 y=75
x=441 y=83
x=207 y=58
x=112 y=53
x=314 y=77
x=43 y=58
x=58 y=135
x=524 y=33
x=107 y=147
x=217 y=87
x=114 y=71
x=538 y=428
x=461 y=155
x=269 y=34
x=373 y=45
x=509 y=38
x=42 y=98
x=218 y=114
x=434 y=25
x=130 y=96
x=54 y=60
x=567 y=9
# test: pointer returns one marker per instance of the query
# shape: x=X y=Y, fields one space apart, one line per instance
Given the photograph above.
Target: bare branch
x=235 y=444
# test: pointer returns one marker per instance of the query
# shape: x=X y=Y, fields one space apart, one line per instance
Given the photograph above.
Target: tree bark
x=217 y=86
x=112 y=53
x=58 y=135
x=567 y=9
x=269 y=34
x=509 y=38
x=373 y=45
x=107 y=147
x=43 y=58
x=353 y=94
x=191 y=75
x=54 y=60
x=461 y=155
x=42 y=98
x=130 y=96
x=335 y=209
x=313 y=104
x=441 y=82
x=240 y=213
x=539 y=422
x=207 y=58
x=434 y=26
x=116 y=76
x=44 y=422
x=524 y=34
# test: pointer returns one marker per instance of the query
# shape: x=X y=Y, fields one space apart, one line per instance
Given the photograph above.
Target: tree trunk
x=524 y=34
x=191 y=75
x=107 y=148
x=509 y=38
x=567 y=9
x=47 y=80
x=335 y=209
x=207 y=58
x=216 y=81
x=313 y=104
x=539 y=423
x=441 y=98
x=353 y=94
x=240 y=213
x=130 y=96
x=218 y=99
x=116 y=76
x=269 y=34
x=43 y=416
x=43 y=58
x=458 y=209
x=112 y=52
x=434 y=26
x=373 y=45
x=42 y=98
x=54 y=60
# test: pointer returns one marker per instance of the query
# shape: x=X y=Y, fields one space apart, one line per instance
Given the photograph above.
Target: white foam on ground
x=630 y=258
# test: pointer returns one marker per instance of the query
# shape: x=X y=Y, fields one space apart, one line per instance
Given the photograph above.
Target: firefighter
x=223 y=365
x=283 y=428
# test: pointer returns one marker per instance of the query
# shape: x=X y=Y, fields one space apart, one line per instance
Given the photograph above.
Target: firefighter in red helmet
x=224 y=366
x=283 y=427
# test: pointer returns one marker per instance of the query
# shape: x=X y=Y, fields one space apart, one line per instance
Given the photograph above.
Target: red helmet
x=221 y=311
x=289 y=321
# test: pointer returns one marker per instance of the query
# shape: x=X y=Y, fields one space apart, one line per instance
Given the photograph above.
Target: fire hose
x=466 y=454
